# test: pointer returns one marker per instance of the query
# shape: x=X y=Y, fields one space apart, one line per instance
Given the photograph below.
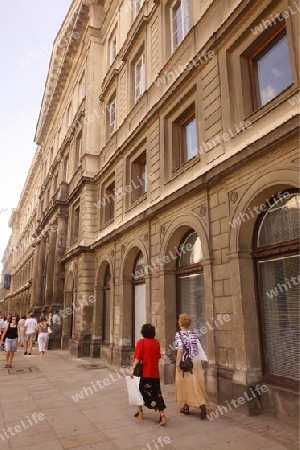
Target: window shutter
x=279 y=290
x=191 y=292
x=284 y=211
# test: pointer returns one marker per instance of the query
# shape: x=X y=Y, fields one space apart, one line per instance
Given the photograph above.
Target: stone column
x=39 y=281
x=58 y=281
x=50 y=269
x=36 y=261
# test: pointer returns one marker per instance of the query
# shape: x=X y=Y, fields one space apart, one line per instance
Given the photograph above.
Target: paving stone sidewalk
x=60 y=402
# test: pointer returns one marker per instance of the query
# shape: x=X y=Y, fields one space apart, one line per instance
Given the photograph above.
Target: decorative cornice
x=64 y=49
x=133 y=36
x=110 y=77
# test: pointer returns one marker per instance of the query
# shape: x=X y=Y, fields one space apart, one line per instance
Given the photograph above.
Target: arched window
x=106 y=306
x=190 y=281
x=276 y=253
x=139 y=297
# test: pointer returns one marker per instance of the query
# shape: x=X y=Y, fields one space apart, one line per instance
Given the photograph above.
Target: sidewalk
x=60 y=402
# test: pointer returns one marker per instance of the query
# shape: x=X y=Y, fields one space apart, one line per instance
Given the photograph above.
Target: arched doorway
x=277 y=263
x=190 y=280
x=139 y=297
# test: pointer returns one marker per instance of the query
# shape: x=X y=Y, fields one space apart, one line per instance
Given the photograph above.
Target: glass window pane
x=273 y=71
x=139 y=309
x=284 y=211
x=189 y=139
x=177 y=25
x=192 y=301
x=186 y=14
x=279 y=287
x=190 y=250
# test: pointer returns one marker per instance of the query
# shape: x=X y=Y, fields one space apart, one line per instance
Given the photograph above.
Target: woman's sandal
x=7 y=366
x=185 y=411
x=203 y=412
x=139 y=415
x=162 y=419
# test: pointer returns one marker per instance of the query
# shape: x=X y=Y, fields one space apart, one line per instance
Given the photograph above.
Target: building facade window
x=139 y=177
x=180 y=21
x=75 y=223
x=81 y=89
x=78 y=150
x=190 y=281
x=66 y=169
x=139 y=77
x=112 y=48
x=139 y=297
x=184 y=138
x=270 y=69
x=136 y=5
x=111 y=116
x=276 y=254
x=109 y=198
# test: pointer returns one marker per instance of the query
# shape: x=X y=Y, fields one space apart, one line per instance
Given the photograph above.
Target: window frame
x=182 y=4
x=190 y=269
x=109 y=207
x=111 y=114
x=234 y=67
x=142 y=83
x=178 y=127
x=75 y=227
x=81 y=88
x=270 y=252
x=112 y=47
x=136 y=173
x=136 y=6
x=77 y=151
x=262 y=50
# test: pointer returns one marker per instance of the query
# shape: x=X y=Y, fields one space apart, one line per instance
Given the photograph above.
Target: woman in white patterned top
x=43 y=335
x=189 y=386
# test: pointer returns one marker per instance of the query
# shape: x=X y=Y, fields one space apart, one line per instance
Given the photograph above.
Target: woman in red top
x=147 y=351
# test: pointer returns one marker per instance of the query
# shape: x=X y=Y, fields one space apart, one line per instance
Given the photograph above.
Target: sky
x=27 y=32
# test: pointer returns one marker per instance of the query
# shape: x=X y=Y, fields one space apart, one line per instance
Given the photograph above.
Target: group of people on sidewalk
x=189 y=385
x=23 y=331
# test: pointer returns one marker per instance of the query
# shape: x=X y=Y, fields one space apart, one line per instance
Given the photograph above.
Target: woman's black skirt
x=150 y=390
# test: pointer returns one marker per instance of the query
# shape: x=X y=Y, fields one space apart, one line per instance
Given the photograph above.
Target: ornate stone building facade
x=165 y=181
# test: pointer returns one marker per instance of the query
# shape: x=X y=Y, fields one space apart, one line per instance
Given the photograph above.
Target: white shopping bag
x=135 y=398
x=202 y=354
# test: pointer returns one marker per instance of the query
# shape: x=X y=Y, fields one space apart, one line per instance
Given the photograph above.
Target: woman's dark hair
x=148 y=331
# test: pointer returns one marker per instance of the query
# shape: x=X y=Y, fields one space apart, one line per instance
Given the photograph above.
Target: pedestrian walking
x=189 y=386
x=11 y=340
x=43 y=335
x=21 y=327
x=30 y=333
x=147 y=351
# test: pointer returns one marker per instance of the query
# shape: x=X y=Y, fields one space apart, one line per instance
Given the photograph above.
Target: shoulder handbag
x=186 y=364
x=138 y=371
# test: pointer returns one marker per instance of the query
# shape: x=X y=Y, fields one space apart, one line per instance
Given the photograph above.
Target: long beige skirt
x=190 y=388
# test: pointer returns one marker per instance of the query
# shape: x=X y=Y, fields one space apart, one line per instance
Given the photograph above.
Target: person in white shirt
x=31 y=328
x=21 y=330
